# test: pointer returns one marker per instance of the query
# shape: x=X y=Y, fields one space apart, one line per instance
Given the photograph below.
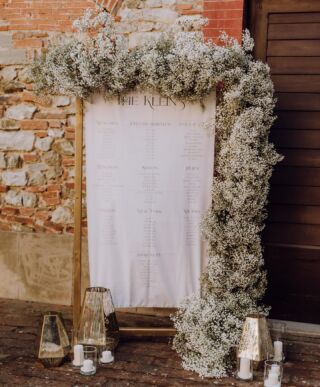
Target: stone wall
x=37 y=133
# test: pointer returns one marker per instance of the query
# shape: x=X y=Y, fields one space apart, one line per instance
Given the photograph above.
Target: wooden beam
x=147 y=332
x=76 y=291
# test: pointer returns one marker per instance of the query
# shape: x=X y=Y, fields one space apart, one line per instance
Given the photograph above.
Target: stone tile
x=12 y=56
x=10 y=280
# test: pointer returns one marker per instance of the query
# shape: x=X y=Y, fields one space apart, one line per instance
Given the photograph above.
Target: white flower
x=182 y=65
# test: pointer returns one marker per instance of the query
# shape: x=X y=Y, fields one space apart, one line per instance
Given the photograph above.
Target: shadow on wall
x=38 y=267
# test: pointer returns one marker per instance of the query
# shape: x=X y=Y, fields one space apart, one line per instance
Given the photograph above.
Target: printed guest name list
x=149 y=175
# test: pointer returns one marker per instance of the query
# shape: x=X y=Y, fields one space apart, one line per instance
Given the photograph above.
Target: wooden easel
x=77 y=250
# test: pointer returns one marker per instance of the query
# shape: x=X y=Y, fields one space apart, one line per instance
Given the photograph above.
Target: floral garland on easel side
x=180 y=64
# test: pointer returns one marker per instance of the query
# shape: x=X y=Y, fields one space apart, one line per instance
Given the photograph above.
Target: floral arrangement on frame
x=180 y=64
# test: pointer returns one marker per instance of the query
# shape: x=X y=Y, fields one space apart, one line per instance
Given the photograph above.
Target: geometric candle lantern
x=98 y=324
x=255 y=343
x=54 y=342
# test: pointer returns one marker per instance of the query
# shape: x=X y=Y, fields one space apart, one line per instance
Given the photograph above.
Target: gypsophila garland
x=180 y=64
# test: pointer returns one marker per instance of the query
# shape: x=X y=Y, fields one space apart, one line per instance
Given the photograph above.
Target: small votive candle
x=89 y=366
x=106 y=357
x=244 y=369
x=77 y=355
x=278 y=350
x=272 y=373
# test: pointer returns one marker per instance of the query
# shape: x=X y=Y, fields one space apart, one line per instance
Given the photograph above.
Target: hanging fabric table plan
x=149 y=165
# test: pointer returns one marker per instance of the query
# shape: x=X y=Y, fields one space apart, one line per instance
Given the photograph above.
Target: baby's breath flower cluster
x=182 y=65
x=209 y=324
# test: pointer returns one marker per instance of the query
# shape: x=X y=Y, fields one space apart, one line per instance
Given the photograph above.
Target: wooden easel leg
x=76 y=286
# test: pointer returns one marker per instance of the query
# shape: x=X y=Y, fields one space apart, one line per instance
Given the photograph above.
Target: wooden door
x=287 y=37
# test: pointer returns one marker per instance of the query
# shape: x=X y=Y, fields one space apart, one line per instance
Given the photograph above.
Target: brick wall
x=37 y=133
x=226 y=15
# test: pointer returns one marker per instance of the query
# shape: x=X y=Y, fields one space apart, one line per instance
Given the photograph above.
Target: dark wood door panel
x=294 y=214
x=288 y=194
x=295 y=176
x=297 y=120
x=294 y=65
x=299 y=259
x=301 y=157
x=301 y=17
x=298 y=101
x=293 y=282
x=296 y=83
x=293 y=48
x=293 y=31
x=287 y=37
x=299 y=139
x=292 y=233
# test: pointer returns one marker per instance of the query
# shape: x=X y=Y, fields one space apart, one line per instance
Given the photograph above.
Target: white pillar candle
x=275 y=368
x=245 y=371
x=278 y=350
x=107 y=357
x=77 y=355
x=272 y=380
x=267 y=383
x=87 y=365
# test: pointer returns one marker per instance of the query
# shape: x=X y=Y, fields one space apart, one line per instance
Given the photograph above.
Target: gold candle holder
x=98 y=323
x=255 y=343
x=54 y=343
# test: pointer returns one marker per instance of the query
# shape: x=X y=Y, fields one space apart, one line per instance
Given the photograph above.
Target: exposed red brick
x=31 y=26
x=189 y=12
x=223 y=15
x=54 y=187
x=50 y=194
x=68 y=161
x=50 y=116
x=36 y=189
x=53 y=227
x=5 y=226
x=18 y=35
x=21 y=219
x=27 y=96
x=9 y=211
x=10 y=99
x=70 y=230
x=69 y=136
x=42 y=214
x=39 y=228
x=183 y=7
x=26 y=211
x=55 y=123
x=30 y=157
x=34 y=124
x=27 y=43
x=41 y=134
x=69 y=184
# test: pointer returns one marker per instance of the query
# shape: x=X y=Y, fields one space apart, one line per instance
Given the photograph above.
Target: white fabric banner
x=149 y=174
